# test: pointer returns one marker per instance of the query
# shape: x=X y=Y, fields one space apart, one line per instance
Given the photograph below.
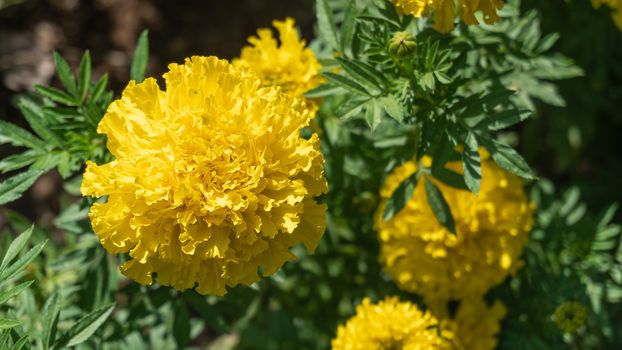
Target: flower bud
x=402 y=44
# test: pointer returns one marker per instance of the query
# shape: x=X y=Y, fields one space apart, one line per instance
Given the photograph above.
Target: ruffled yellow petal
x=423 y=257
x=211 y=179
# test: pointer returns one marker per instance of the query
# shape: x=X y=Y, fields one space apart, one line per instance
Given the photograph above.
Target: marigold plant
x=444 y=11
x=422 y=256
x=390 y=324
x=287 y=63
x=616 y=7
x=211 y=179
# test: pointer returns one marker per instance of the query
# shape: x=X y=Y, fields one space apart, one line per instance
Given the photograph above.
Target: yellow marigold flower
x=423 y=257
x=211 y=179
x=475 y=325
x=569 y=316
x=615 y=5
x=390 y=324
x=292 y=66
x=444 y=11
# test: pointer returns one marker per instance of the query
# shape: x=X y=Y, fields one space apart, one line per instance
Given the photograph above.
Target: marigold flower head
x=390 y=324
x=211 y=179
x=616 y=7
x=444 y=11
x=290 y=65
x=569 y=316
x=475 y=326
x=492 y=228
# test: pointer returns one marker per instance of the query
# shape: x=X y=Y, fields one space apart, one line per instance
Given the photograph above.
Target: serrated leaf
x=400 y=197
x=15 y=247
x=18 y=161
x=363 y=74
x=64 y=74
x=99 y=88
x=451 y=178
x=507 y=158
x=325 y=90
x=373 y=114
x=86 y=326
x=504 y=119
x=326 y=24
x=351 y=108
x=56 y=95
x=392 y=107
x=346 y=83
x=472 y=164
x=13 y=187
x=8 y=323
x=13 y=134
x=35 y=117
x=50 y=314
x=141 y=57
x=439 y=206
x=497 y=98
x=21 y=263
x=348 y=28
x=10 y=293
x=84 y=81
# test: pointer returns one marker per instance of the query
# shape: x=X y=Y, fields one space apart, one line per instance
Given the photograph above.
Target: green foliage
x=65 y=129
x=395 y=91
x=571 y=256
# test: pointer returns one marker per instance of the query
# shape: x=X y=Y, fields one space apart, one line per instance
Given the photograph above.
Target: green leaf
x=326 y=24
x=450 y=178
x=141 y=56
x=351 y=108
x=348 y=28
x=363 y=74
x=507 y=158
x=10 y=293
x=84 y=82
x=472 y=164
x=400 y=197
x=35 y=117
x=56 y=95
x=21 y=263
x=18 y=161
x=18 y=345
x=504 y=119
x=86 y=326
x=8 y=323
x=325 y=90
x=181 y=324
x=13 y=134
x=392 y=107
x=16 y=246
x=13 y=187
x=65 y=75
x=442 y=152
x=49 y=320
x=439 y=206
x=346 y=83
x=373 y=114
x=99 y=88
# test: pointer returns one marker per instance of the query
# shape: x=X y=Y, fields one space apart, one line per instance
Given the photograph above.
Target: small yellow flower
x=423 y=257
x=475 y=326
x=444 y=11
x=389 y=325
x=615 y=5
x=211 y=179
x=290 y=65
x=569 y=316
